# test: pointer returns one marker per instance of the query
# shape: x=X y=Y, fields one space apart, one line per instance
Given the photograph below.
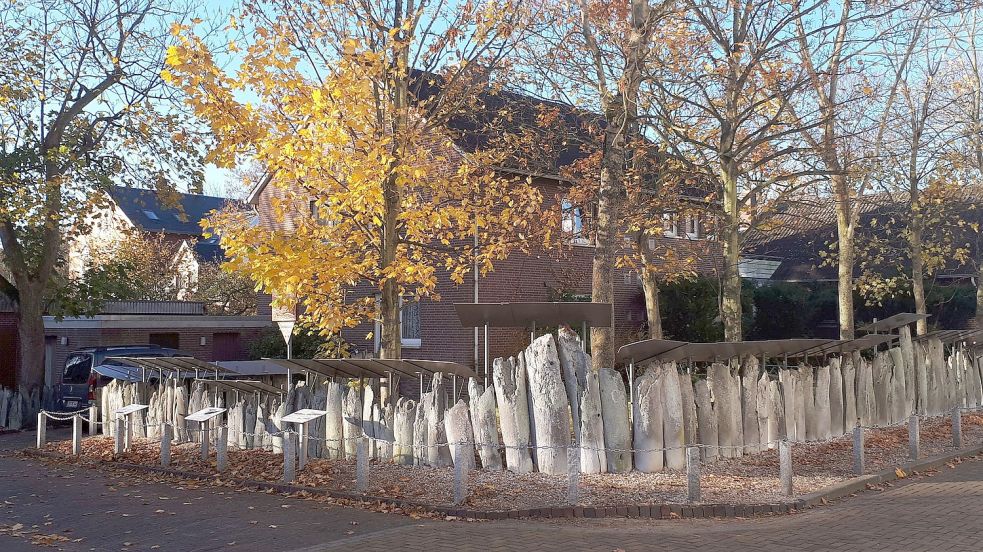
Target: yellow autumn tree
x=353 y=109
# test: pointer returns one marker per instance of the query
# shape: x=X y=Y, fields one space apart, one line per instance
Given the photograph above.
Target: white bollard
x=957 y=427
x=913 y=437
x=42 y=429
x=165 y=446
x=222 y=449
x=785 y=466
x=77 y=435
x=693 y=474
x=93 y=420
x=289 y=460
x=362 y=465
x=118 y=437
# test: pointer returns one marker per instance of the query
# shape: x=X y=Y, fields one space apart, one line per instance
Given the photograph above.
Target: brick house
x=431 y=329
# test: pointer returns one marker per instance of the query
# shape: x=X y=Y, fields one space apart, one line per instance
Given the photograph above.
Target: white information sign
x=130 y=409
x=205 y=414
x=304 y=415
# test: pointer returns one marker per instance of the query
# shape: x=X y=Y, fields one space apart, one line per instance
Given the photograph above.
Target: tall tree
x=81 y=105
x=839 y=47
x=593 y=54
x=727 y=108
x=349 y=106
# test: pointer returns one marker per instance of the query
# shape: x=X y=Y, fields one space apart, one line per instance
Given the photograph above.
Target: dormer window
x=150 y=214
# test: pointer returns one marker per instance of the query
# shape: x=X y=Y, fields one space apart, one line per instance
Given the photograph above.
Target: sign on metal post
x=205 y=414
x=303 y=416
x=130 y=409
x=287 y=330
x=202 y=417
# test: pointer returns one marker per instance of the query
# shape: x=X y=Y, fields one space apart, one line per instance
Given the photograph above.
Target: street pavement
x=100 y=510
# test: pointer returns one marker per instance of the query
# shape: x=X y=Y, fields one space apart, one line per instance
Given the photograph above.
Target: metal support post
x=203 y=429
x=302 y=451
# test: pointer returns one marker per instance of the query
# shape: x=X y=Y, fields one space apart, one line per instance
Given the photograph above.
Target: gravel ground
x=749 y=479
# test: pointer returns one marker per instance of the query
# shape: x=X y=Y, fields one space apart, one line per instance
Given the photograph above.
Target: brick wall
x=521 y=277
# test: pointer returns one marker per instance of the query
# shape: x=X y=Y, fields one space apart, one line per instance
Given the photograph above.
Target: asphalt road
x=96 y=509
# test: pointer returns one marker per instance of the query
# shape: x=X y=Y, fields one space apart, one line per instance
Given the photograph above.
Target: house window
x=670 y=228
x=314 y=211
x=409 y=324
x=150 y=214
x=692 y=227
x=575 y=223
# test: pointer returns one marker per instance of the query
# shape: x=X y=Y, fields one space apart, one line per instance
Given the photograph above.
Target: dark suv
x=80 y=381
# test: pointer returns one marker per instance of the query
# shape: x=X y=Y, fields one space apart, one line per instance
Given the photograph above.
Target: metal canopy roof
x=244 y=386
x=640 y=351
x=851 y=345
x=893 y=321
x=667 y=350
x=174 y=365
x=374 y=367
x=948 y=336
x=524 y=315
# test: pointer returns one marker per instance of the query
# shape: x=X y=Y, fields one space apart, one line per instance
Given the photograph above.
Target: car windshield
x=77 y=368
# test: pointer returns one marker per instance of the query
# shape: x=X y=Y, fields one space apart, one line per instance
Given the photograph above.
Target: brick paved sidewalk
x=109 y=512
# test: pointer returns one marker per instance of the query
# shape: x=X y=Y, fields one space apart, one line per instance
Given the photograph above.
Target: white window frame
x=572 y=223
x=671 y=225
x=692 y=227
x=405 y=342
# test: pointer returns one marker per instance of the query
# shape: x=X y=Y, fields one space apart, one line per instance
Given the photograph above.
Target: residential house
x=430 y=329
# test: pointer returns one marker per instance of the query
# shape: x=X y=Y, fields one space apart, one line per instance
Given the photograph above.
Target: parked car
x=87 y=370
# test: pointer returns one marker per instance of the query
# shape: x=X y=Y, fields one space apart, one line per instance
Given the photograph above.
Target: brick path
x=107 y=512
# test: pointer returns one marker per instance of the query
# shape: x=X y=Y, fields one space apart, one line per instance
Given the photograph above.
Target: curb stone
x=649 y=511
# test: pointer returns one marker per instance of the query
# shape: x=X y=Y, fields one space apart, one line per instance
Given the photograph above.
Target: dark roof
x=208 y=251
x=148 y=211
x=497 y=118
x=804 y=227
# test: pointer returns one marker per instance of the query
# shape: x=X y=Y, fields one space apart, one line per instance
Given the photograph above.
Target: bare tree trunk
x=30 y=331
x=609 y=198
x=918 y=275
x=650 y=288
x=730 y=306
x=845 y=259
x=979 y=298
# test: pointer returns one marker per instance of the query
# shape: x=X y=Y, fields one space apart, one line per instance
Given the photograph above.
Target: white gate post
x=42 y=429
x=222 y=449
x=289 y=464
x=165 y=446
x=76 y=435
x=118 y=437
x=93 y=420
